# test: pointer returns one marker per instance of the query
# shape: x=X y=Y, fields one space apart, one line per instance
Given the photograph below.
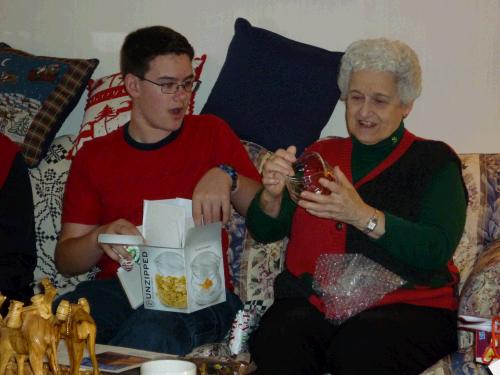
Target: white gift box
x=180 y=265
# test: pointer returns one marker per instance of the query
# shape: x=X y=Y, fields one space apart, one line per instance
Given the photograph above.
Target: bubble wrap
x=350 y=283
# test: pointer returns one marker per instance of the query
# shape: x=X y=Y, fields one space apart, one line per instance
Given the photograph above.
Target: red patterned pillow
x=108 y=106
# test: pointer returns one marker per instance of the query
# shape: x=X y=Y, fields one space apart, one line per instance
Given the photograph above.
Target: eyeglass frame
x=196 y=85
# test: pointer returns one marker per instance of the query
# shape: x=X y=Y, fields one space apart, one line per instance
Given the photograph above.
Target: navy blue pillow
x=275 y=91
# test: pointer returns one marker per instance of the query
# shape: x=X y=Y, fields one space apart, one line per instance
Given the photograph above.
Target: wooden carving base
x=63 y=370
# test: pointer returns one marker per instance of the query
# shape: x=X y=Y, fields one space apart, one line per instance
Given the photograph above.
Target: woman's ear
x=132 y=85
x=407 y=109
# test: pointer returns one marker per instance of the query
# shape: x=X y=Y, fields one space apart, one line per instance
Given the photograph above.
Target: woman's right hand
x=275 y=170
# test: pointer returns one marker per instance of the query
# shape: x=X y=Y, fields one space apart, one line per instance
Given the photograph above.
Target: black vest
x=399 y=190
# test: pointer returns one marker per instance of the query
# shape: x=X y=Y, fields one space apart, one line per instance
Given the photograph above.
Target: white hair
x=384 y=55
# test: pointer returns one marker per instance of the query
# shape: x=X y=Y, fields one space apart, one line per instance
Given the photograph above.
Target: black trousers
x=294 y=338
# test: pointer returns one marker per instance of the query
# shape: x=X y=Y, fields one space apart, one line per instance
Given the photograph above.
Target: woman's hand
x=342 y=204
x=274 y=172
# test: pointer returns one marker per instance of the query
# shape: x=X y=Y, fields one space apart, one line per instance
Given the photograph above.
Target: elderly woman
x=397 y=199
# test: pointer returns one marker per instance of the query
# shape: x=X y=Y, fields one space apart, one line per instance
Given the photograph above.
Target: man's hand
x=120 y=226
x=78 y=250
x=212 y=197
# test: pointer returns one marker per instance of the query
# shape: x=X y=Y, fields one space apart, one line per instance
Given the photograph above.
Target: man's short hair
x=143 y=45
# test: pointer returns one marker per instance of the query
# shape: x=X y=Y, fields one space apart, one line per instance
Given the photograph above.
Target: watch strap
x=232 y=173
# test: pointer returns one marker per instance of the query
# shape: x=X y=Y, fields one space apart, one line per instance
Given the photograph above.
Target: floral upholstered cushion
x=481 y=292
x=478 y=258
x=481 y=174
x=253 y=265
x=472 y=239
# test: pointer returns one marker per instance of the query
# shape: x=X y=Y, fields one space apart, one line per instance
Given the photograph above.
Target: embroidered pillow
x=48 y=180
x=108 y=106
x=275 y=91
x=37 y=93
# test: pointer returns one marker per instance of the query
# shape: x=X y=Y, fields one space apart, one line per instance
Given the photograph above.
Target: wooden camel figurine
x=29 y=333
x=11 y=336
x=77 y=329
x=2 y=300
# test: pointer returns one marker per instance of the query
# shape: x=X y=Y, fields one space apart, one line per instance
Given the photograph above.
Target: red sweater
x=110 y=178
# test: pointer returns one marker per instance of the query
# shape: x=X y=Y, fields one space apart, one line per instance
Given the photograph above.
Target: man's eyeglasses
x=173 y=87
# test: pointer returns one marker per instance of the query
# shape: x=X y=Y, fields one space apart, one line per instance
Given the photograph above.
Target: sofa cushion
x=275 y=91
x=479 y=250
x=109 y=105
x=48 y=180
x=253 y=265
x=37 y=93
x=482 y=225
x=485 y=277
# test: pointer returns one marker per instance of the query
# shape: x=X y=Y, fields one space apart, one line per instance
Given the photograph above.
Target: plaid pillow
x=37 y=93
x=109 y=105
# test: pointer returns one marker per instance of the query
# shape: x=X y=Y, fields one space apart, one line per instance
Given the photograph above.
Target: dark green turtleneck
x=434 y=236
x=367 y=157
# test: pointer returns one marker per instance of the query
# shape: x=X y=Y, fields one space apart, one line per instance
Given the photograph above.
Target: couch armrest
x=481 y=292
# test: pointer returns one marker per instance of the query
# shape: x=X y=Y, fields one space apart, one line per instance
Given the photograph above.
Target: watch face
x=372 y=224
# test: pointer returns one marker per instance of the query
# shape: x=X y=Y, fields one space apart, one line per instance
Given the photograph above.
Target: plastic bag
x=350 y=283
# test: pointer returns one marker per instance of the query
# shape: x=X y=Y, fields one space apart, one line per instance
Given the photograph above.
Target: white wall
x=458 y=42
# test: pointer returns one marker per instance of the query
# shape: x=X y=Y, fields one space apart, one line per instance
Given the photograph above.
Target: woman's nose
x=365 y=108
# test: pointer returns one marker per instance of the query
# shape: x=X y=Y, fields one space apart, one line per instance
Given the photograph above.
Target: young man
x=161 y=153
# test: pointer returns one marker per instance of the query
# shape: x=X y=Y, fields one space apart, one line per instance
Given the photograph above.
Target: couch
x=265 y=116
x=254 y=265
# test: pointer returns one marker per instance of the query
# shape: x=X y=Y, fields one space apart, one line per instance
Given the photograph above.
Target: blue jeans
x=160 y=331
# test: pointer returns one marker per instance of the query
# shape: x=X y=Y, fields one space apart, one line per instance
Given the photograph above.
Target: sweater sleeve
x=436 y=233
x=17 y=233
x=265 y=228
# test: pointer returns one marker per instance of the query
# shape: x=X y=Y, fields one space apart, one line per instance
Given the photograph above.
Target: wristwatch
x=372 y=223
x=232 y=173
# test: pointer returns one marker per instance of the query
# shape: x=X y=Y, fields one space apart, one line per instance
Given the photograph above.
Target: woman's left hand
x=342 y=204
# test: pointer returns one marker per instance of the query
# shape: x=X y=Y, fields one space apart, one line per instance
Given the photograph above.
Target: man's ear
x=132 y=85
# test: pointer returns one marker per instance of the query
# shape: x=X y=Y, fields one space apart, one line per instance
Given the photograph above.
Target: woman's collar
x=388 y=143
